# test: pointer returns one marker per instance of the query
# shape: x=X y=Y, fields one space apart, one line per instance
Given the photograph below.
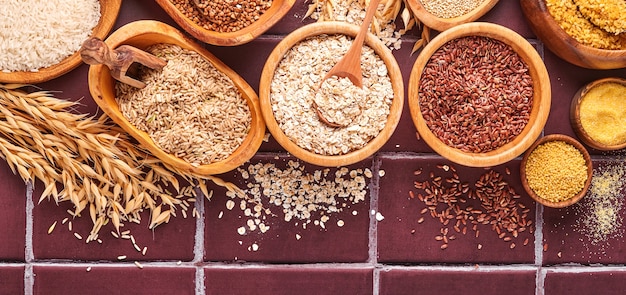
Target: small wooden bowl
x=109 y=10
x=565 y=46
x=541 y=96
x=577 y=145
x=575 y=116
x=322 y=28
x=441 y=24
x=275 y=13
x=142 y=34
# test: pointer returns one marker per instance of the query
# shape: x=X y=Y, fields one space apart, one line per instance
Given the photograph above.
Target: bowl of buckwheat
x=226 y=23
x=479 y=94
x=292 y=96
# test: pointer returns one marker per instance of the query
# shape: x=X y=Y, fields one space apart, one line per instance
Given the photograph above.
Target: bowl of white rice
x=40 y=39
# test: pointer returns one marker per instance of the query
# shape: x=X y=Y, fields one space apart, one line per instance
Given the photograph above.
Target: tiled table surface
x=367 y=255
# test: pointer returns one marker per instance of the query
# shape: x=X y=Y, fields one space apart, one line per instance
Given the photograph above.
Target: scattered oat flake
x=559 y=254
x=298 y=237
x=230 y=204
x=379 y=216
x=381 y=173
x=88 y=268
x=354 y=212
x=241 y=230
x=340 y=223
x=220 y=215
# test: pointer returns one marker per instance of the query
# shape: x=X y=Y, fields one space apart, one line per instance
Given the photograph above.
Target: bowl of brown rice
x=556 y=171
x=226 y=23
x=585 y=33
x=442 y=15
x=290 y=85
x=479 y=94
x=196 y=114
x=40 y=39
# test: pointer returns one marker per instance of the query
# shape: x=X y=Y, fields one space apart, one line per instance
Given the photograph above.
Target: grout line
x=198 y=248
x=541 y=280
x=373 y=228
x=539 y=249
x=29 y=277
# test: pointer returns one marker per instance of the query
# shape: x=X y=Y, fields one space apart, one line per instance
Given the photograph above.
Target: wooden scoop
x=94 y=51
x=350 y=64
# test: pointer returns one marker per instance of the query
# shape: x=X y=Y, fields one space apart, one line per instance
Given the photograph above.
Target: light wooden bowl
x=316 y=29
x=441 y=24
x=142 y=34
x=577 y=145
x=575 y=116
x=268 y=19
x=541 y=96
x=565 y=46
x=109 y=10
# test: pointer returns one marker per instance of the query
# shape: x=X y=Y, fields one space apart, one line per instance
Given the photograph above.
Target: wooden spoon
x=94 y=51
x=350 y=64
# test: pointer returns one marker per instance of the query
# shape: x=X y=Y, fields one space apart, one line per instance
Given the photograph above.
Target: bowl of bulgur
x=290 y=85
x=40 y=39
x=479 y=94
x=556 y=171
x=196 y=114
x=586 y=33
x=442 y=15
x=226 y=23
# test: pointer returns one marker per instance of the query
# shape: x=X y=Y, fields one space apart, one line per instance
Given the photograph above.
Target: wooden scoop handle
x=94 y=51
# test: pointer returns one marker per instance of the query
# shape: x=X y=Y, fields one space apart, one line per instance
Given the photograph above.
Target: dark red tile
x=565 y=80
x=454 y=281
x=408 y=236
x=171 y=241
x=575 y=234
x=13 y=216
x=11 y=280
x=285 y=241
x=585 y=282
x=114 y=279
x=509 y=15
x=288 y=280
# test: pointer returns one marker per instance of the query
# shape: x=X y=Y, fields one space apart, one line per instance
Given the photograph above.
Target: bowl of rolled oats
x=291 y=85
x=195 y=114
x=479 y=94
x=226 y=22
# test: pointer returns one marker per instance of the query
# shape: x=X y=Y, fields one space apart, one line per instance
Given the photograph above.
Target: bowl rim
x=541 y=96
x=575 y=115
x=441 y=24
x=109 y=10
x=321 y=28
x=588 y=162
x=139 y=34
x=275 y=13
x=577 y=52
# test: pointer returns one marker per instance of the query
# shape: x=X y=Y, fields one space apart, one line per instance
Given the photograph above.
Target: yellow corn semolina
x=603 y=113
x=556 y=171
x=570 y=19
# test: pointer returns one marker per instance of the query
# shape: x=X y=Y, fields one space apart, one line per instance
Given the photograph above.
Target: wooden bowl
x=577 y=145
x=316 y=29
x=109 y=10
x=541 y=96
x=565 y=46
x=575 y=116
x=275 y=13
x=142 y=34
x=441 y=24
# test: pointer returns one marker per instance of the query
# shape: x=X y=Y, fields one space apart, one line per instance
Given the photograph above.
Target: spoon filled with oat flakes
x=340 y=97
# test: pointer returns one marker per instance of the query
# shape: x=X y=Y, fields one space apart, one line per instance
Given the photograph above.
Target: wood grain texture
x=541 y=96
x=109 y=9
x=563 y=45
x=316 y=29
x=268 y=19
x=142 y=34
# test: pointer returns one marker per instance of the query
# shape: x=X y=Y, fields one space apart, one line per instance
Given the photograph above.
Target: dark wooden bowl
x=575 y=116
x=275 y=13
x=577 y=145
x=109 y=10
x=564 y=45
